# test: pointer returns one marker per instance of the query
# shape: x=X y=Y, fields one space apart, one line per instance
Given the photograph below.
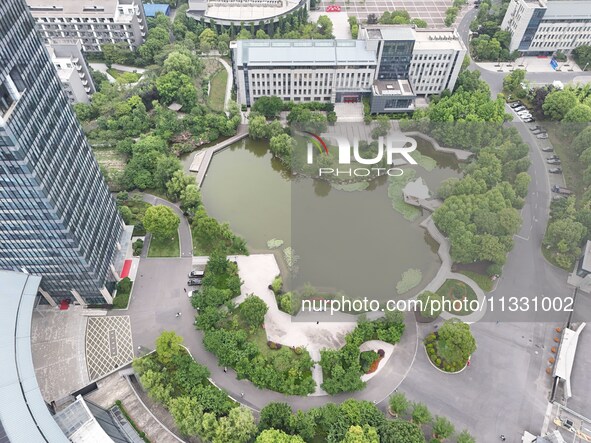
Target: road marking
x=522 y=238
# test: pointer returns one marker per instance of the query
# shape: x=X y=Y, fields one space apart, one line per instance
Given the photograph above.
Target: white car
x=190 y=293
x=524 y=113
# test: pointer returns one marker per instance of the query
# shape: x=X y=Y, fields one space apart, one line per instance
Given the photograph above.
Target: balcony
x=87 y=89
x=84 y=82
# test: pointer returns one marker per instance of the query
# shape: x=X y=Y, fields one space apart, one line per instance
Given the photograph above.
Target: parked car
x=515 y=104
x=524 y=113
x=547 y=149
x=195 y=273
x=529 y=120
x=553 y=157
x=534 y=128
x=553 y=161
x=542 y=136
x=555 y=170
x=190 y=293
x=560 y=190
x=520 y=108
x=194 y=282
x=539 y=131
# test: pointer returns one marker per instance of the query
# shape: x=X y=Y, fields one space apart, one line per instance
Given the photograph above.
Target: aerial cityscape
x=289 y=221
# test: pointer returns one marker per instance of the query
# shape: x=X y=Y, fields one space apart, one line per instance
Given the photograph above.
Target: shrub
x=277 y=285
x=137 y=246
x=494 y=269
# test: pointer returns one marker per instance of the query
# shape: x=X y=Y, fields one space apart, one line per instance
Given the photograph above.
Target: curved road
x=503 y=391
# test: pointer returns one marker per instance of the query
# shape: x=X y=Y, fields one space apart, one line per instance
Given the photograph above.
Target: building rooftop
x=23 y=412
x=242 y=10
x=75 y=8
x=151 y=9
x=390 y=32
x=441 y=39
x=299 y=53
x=392 y=87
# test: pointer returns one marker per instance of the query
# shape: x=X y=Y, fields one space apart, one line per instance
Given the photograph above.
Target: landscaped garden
x=457 y=295
x=342 y=368
x=450 y=347
x=235 y=334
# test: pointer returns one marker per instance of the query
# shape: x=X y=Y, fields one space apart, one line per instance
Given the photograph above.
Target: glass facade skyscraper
x=57 y=217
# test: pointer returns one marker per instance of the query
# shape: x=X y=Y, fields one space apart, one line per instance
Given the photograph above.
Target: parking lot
x=432 y=11
x=553 y=163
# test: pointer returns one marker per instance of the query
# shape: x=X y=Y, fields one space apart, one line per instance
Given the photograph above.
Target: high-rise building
x=57 y=217
x=94 y=22
x=542 y=27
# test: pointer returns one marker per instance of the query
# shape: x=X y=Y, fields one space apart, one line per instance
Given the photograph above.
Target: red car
x=333 y=8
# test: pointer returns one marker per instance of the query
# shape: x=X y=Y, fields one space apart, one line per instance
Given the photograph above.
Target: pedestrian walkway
x=444 y=273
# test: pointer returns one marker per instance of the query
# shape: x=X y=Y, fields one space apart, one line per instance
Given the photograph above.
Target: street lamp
x=586 y=66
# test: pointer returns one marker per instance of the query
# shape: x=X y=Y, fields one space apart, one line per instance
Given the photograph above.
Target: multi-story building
x=72 y=70
x=543 y=27
x=303 y=70
x=391 y=64
x=58 y=219
x=95 y=22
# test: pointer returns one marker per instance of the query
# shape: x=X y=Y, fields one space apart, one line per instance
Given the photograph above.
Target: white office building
x=391 y=64
x=66 y=56
x=95 y=22
x=542 y=27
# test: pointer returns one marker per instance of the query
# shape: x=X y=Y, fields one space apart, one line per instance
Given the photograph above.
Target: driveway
x=185 y=236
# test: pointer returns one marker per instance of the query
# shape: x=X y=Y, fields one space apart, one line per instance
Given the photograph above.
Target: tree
x=190 y=197
x=420 y=414
x=521 y=184
x=579 y=114
x=181 y=62
x=207 y=38
x=253 y=311
x=269 y=106
x=175 y=86
x=558 y=103
x=513 y=83
x=223 y=48
x=382 y=128
x=582 y=55
x=400 y=431
x=276 y=436
x=430 y=304
x=178 y=183
x=465 y=437
x=237 y=427
x=257 y=127
x=276 y=416
x=564 y=236
x=456 y=342
x=443 y=428
x=161 y=221
x=187 y=414
x=165 y=168
x=126 y=214
x=361 y=434
x=398 y=403
x=282 y=146
x=168 y=344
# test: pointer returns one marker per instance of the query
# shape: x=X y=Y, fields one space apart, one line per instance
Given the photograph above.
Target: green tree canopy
x=455 y=341
x=558 y=103
x=168 y=345
x=161 y=221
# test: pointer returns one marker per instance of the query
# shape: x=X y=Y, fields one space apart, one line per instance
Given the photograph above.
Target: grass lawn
x=484 y=281
x=259 y=338
x=124 y=76
x=217 y=90
x=168 y=247
x=572 y=168
x=457 y=290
